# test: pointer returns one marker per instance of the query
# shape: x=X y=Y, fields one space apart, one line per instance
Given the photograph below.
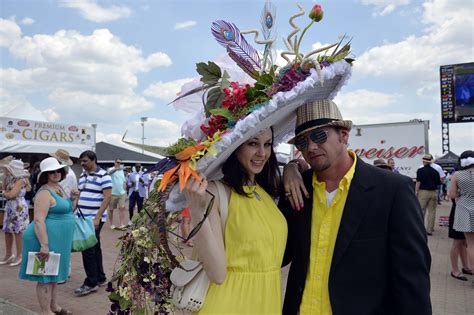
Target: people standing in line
x=356 y=241
x=117 y=201
x=245 y=274
x=427 y=182
x=95 y=187
x=138 y=185
x=16 y=216
x=51 y=231
x=462 y=189
x=391 y=163
x=69 y=183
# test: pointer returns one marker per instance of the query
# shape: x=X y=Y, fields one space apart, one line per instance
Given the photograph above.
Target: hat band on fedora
x=313 y=123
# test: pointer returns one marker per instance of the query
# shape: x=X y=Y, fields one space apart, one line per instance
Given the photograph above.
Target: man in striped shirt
x=95 y=186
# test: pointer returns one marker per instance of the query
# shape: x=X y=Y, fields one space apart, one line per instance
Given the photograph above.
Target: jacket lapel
x=357 y=202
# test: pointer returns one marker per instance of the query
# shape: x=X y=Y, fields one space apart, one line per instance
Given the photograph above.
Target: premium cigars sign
x=22 y=130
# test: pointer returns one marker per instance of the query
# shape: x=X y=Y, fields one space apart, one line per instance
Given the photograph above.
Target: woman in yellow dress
x=243 y=265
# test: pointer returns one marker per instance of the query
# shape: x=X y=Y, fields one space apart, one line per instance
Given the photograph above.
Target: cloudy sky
x=112 y=62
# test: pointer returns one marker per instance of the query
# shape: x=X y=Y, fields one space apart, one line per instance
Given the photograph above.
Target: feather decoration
x=164 y=165
x=267 y=20
x=229 y=36
x=146 y=147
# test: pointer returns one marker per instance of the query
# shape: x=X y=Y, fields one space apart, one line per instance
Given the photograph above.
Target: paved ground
x=449 y=296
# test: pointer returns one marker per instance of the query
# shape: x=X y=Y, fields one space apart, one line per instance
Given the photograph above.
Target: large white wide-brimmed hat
x=15 y=167
x=49 y=164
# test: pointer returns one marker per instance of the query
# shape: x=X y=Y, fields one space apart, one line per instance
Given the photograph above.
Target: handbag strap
x=223 y=210
x=223 y=204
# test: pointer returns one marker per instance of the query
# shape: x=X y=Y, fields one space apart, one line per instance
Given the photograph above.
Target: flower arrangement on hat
x=232 y=113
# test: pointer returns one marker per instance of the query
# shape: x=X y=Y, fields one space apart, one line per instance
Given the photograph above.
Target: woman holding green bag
x=51 y=231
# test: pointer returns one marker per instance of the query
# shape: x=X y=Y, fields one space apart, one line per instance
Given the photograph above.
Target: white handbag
x=190 y=281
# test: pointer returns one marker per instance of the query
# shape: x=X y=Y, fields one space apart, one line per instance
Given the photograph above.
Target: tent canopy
x=449 y=160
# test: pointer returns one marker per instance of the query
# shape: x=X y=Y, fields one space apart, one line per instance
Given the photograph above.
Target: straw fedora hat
x=318 y=114
x=62 y=156
x=427 y=158
x=15 y=167
x=49 y=164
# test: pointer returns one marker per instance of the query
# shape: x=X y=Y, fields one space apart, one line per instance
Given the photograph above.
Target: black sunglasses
x=318 y=136
x=54 y=172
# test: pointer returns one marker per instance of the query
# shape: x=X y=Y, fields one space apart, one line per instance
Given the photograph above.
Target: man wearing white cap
x=357 y=244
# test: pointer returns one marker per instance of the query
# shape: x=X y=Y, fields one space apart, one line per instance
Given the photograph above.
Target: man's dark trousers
x=134 y=199
x=92 y=260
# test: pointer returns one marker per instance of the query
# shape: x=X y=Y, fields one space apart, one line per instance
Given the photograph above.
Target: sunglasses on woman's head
x=54 y=172
x=318 y=136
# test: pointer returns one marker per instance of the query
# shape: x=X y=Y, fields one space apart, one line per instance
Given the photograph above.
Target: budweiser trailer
x=405 y=142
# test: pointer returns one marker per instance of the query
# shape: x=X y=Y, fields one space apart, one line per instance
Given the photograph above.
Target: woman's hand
x=43 y=254
x=74 y=194
x=294 y=186
x=195 y=193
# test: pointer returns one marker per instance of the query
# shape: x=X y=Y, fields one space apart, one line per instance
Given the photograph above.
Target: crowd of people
x=51 y=187
x=251 y=179
x=335 y=213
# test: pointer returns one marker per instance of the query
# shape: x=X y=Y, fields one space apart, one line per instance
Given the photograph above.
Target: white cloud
x=185 y=24
x=448 y=39
x=87 y=107
x=83 y=75
x=166 y=91
x=384 y=7
x=9 y=32
x=9 y=101
x=90 y=10
x=371 y=107
x=50 y=114
x=27 y=21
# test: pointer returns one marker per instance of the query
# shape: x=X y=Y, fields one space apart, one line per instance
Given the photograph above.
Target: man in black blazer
x=380 y=259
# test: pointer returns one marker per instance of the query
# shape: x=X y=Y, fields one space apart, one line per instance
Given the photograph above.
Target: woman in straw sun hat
x=16 y=217
x=51 y=231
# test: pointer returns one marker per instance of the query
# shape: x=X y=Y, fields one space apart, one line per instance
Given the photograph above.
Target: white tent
x=25 y=130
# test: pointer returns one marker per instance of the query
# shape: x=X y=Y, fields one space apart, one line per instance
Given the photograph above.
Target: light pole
x=143 y=120
x=95 y=135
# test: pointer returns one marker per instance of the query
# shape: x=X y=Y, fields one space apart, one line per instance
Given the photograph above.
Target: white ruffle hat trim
x=280 y=112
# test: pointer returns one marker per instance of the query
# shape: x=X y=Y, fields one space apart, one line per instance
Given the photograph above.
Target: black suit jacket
x=381 y=260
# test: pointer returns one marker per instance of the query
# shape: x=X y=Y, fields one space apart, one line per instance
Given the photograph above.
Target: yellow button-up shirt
x=324 y=228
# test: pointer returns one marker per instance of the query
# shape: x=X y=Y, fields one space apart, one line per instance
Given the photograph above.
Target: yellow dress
x=255 y=240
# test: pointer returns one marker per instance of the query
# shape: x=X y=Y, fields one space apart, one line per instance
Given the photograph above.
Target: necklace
x=253 y=190
x=58 y=189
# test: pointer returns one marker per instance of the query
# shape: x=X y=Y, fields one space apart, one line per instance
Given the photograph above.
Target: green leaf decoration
x=215 y=96
x=221 y=112
x=265 y=79
x=179 y=146
x=255 y=92
x=210 y=72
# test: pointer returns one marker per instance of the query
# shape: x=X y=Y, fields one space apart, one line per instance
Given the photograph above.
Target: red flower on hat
x=215 y=123
x=235 y=97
